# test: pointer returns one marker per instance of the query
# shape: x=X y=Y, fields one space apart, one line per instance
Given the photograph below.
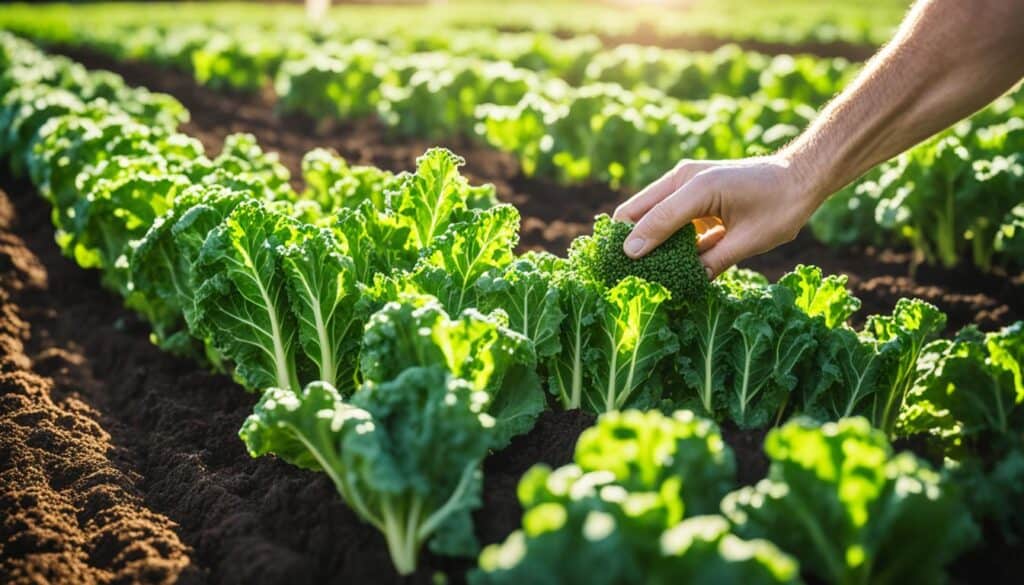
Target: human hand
x=741 y=208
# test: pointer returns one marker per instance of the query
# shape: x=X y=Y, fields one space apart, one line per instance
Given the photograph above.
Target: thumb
x=689 y=202
x=723 y=255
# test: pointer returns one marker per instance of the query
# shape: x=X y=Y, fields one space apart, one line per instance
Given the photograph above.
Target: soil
x=73 y=501
x=120 y=463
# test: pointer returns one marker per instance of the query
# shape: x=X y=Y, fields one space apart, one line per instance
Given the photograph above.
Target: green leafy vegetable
x=527 y=292
x=623 y=513
x=404 y=454
x=851 y=512
x=674 y=264
x=632 y=336
x=478 y=348
x=323 y=291
x=241 y=303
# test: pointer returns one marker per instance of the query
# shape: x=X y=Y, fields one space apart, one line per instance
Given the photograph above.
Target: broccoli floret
x=675 y=264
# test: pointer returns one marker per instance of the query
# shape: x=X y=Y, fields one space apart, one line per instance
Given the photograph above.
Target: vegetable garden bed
x=191 y=506
x=173 y=465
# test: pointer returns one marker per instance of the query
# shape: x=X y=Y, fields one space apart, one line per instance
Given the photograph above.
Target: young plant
x=628 y=511
x=971 y=392
x=631 y=337
x=581 y=303
x=851 y=512
x=528 y=293
x=404 y=454
x=241 y=303
x=416 y=331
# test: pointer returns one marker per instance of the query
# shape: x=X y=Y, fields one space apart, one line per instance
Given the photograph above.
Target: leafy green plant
x=527 y=292
x=632 y=337
x=417 y=332
x=674 y=265
x=967 y=401
x=740 y=351
x=628 y=511
x=952 y=198
x=404 y=454
x=971 y=389
x=870 y=373
x=850 y=511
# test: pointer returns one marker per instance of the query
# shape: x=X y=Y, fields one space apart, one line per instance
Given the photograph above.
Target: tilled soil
x=120 y=463
x=73 y=499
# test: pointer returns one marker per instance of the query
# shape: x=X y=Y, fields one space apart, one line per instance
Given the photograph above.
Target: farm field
x=265 y=322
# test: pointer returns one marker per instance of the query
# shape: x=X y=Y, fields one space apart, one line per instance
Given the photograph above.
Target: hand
x=741 y=208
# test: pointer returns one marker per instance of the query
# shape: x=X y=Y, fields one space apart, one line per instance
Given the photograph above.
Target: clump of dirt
x=73 y=511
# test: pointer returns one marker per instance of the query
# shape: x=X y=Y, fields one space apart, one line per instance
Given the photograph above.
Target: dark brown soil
x=748 y=447
x=120 y=434
x=73 y=501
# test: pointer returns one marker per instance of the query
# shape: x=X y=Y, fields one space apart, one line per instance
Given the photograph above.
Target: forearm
x=949 y=58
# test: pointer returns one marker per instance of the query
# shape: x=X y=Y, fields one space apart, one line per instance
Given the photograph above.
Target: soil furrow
x=172 y=427
x=73 y=510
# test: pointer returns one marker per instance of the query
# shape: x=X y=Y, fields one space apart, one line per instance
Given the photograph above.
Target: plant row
x=594 y=100
x=954 y=198
x=791 y=22
x=246 y=59
x=397 y=338
x=958 y=195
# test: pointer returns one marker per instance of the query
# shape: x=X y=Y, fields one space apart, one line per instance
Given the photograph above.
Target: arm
x=948 y=59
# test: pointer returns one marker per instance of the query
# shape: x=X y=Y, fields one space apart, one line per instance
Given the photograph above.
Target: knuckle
x=684 y=166
x=708 y=180
x=684 y=171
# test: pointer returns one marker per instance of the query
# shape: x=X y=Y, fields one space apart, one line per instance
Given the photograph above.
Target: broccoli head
x=675 y=264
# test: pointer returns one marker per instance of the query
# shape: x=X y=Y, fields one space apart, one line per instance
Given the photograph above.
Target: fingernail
x=634 y=246
x=709 y=272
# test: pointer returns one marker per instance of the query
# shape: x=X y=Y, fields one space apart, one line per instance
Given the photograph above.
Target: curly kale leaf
x=839 y=501
x=675 y=264
x=417 y=332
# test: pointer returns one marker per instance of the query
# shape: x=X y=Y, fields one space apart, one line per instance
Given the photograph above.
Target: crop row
x=783 y=21
x=247 y=58
x=575 y=112
x=572 y=86
x=396 y=339
x=958 y=195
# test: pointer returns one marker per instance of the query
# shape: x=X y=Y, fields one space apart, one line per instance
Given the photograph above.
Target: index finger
x=638 y=205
